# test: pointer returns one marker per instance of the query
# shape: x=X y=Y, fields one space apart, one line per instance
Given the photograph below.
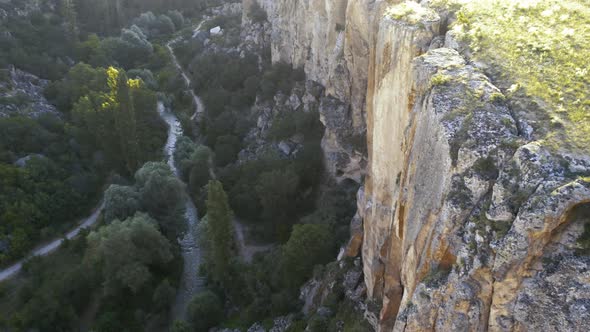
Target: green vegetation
x=308 y=245
x=257 y=14
x=120 y=121
x=220 y=232
x=541 y=48
x=53 y=187
x=126 y=252
x=126 y=267
x=205 y=311
x=486 y=167
x=436 y=276
x=440 y=79
x=124 y=274
x=411 y=12
x=579 y=214
x=34 y=43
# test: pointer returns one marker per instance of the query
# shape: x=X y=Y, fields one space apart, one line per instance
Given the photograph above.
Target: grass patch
x=542 y=47
x=486 y=167
x=411 y=12
x=436 y=277
x=440 y=79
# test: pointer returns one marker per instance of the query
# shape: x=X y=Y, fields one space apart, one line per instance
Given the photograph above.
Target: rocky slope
x=22 y=93
x=469 y=221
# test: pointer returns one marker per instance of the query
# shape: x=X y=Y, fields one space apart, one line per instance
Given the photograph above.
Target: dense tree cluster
x=112 y=114
x=130 y=265
x=219 y=231
x=156 y=191
x=52 y=168
x=107 y=16
x=276 y=195
x=123 y=275
x=45 y=183
x=35 y=44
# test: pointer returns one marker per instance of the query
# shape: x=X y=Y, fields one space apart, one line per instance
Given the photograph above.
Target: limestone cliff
x=469 y=223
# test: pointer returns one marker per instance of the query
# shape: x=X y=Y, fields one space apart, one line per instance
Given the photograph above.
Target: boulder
x=217 y=31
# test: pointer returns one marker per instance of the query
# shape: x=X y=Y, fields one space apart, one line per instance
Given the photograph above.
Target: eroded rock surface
x=22 y=93
x=466 y=221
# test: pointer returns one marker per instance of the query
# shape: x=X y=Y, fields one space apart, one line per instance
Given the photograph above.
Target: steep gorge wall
x=332 y=40
x=467 y=226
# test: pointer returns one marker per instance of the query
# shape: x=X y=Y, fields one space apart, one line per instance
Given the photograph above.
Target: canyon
x=468 y=220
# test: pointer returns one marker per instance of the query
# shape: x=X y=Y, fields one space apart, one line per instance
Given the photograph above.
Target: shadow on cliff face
x=580 y=214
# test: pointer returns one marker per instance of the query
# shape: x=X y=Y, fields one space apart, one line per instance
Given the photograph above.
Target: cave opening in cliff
x=580 y=214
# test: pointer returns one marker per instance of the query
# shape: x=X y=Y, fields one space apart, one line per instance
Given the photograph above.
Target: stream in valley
x=191 y=283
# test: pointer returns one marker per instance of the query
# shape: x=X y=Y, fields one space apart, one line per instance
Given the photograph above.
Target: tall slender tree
x=68 y=9
x=125 y=121
x=220 y=230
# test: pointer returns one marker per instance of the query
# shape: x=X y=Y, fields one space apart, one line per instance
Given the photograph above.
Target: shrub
x=226 y=149
x=205 y=311
x=257 y=14
x=120 y=202
x=177 y=18
x=308 y=245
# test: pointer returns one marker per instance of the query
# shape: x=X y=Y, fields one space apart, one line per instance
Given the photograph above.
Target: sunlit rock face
x=331 y=40
x=465 y=222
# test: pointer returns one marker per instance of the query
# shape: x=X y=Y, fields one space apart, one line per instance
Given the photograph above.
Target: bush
x=280 y=77
x=226 y=150
x=120 y=202
x=205 y=311
x=145 y=75
x=177 y=18
x=257 y=14
x=308 y=245
x=163 y=296
x=180 y=326
x=277 y=191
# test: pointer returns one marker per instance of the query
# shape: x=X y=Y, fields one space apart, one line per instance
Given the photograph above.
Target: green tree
x=125 y=117
x=127 y=251
x=69 y=13
x=200 y=173
x=309 y=244
x=180 y=326
x=226 y=149
x=277 y=191
x=163 y=296
x=162 y=196
x=220 y=230
x=205 y=311
x=120 y=202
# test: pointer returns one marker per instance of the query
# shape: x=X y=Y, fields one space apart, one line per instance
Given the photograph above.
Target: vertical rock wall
x=332 y=40
x=462 y=218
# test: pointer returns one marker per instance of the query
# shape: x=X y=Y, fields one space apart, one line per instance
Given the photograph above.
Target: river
x=190 y=283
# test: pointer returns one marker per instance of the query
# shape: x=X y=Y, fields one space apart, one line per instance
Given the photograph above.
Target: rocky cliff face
x=468 y=222
x=22 y=93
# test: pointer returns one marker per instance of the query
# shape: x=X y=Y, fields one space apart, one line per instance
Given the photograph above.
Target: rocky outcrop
x=22 y=93
x=332 y=46
x=466 y=221
x=11 y=8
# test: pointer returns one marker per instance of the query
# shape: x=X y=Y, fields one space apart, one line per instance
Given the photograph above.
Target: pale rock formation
x=466 y=221
x=22 y=93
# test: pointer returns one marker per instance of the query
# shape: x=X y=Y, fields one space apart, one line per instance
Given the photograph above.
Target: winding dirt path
x=50 y=247
x=87 y=222
x=190 y=282
x=199 y=107
x=246 y=251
